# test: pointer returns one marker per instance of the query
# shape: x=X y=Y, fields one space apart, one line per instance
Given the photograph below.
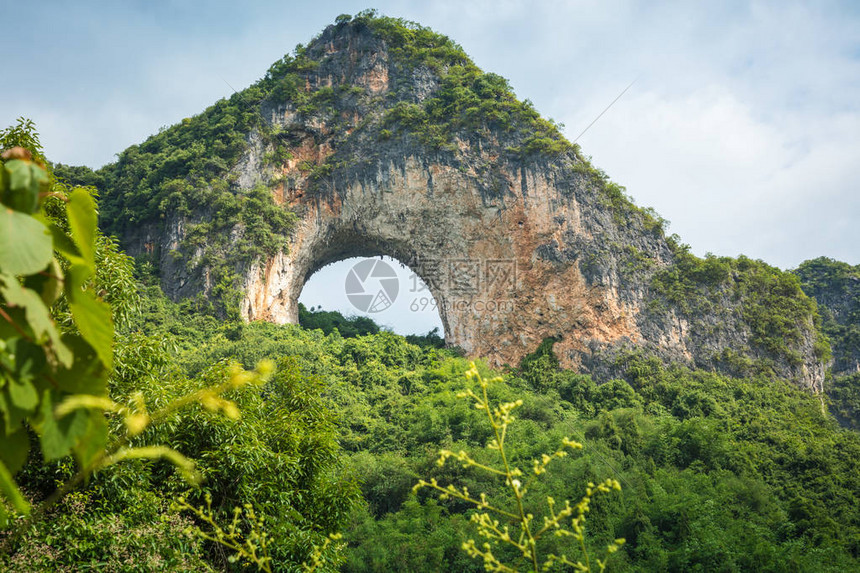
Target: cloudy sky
x=742 y=127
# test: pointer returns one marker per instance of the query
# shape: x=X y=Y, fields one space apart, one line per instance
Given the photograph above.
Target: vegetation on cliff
x=836 y=287
x=708 y=291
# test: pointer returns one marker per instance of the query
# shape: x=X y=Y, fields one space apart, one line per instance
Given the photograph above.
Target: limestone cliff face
x=518 y=237
x=835 y=286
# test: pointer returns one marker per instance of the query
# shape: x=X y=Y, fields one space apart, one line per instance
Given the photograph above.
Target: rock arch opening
x=381 y=288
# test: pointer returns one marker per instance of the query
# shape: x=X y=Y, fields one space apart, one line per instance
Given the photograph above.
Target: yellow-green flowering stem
x=466 y=460
x=500 y=439
x=451 y=491
x=489 y=527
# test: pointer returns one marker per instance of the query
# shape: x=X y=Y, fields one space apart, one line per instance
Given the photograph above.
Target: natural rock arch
x=335 y=244
x=383 y=138
x=488 y=260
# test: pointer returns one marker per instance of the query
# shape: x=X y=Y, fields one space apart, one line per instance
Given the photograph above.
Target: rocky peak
x=349 y=54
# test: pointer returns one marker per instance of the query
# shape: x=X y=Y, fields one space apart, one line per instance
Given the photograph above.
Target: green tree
x=57 y=335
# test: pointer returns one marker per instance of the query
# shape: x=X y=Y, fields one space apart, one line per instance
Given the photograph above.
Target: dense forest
x=140 y=433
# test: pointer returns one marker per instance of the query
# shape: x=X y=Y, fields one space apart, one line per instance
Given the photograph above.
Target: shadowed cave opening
x=380 y=288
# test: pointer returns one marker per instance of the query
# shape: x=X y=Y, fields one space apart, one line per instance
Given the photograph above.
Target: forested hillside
x=716 y=472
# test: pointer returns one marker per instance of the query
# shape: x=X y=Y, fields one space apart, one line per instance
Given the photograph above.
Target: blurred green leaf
x=38 y=316
x=48 y=283
x=64 y=245
x=25 y=243
x=19 y=174
x=11 y=492
x=12 y=416
x=16 y=446
x=93 y=440
x=87 y=374
x=92 y=316
x=58 y=437
x=25 y=180
x=23 y=394
x=81 y=211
